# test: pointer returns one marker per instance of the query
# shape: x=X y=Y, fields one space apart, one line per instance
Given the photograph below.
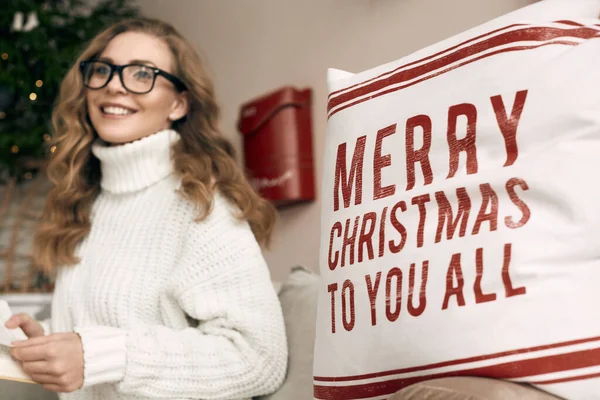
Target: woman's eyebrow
x=141 y=62
x=136 y=61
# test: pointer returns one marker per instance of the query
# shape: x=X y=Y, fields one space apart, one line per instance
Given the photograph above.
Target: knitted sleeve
x=237 y=350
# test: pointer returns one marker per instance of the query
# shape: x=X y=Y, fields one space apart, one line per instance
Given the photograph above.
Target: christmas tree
x=39 y=41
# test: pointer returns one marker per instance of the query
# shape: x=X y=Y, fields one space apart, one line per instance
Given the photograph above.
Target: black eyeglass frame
x=179 y=85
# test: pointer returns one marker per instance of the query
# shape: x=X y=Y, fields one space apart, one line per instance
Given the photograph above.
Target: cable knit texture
x=166 y=307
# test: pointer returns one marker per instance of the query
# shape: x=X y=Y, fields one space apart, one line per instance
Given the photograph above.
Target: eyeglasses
x=135 y=78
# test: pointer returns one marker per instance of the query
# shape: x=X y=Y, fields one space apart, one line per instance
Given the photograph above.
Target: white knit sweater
x=168 y=308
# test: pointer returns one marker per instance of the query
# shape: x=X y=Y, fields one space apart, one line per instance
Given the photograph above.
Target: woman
x=162 y=290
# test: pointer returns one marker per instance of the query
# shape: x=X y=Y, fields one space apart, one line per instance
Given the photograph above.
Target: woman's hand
x=54 y=361
x=30 y=326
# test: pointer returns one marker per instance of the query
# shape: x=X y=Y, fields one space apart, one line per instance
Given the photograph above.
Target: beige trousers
x=469 y=388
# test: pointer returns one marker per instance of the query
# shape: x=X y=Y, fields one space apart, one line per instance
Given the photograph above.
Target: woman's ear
x=180 y=107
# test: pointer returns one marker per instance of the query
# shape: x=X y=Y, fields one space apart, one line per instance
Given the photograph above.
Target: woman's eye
x=143 y=74
x=102 y=70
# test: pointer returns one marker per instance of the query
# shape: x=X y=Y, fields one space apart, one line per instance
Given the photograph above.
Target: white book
x=9 y=368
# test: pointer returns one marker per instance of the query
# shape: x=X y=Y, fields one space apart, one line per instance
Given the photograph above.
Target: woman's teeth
x=116 y=111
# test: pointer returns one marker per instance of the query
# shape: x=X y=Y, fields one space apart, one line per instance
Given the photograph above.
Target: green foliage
x=44 y=53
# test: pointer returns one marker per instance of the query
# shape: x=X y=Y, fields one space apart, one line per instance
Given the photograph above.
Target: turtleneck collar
x=137 y=165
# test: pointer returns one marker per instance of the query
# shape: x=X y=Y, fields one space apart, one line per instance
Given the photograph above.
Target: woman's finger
x=42 y=340
x=37 y=367
x=60 y=387
x=31 y=353
x=28 y=324
x=44 y=379
x=36 y=341
x=51 y=387
x=16 y=320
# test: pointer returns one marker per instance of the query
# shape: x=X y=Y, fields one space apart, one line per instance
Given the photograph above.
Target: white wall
x=254 y=46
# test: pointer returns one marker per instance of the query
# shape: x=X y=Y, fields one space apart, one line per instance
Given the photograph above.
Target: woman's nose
x=115 y=85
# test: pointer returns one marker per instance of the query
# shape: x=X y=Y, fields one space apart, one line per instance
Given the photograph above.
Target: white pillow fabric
x=460 y=212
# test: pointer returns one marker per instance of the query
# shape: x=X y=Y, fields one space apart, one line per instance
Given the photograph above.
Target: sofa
x=298 y=295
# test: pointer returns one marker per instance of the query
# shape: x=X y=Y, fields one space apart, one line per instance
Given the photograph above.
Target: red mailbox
x=278 y=154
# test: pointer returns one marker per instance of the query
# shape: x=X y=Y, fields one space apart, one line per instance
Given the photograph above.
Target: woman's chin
x=115 y=139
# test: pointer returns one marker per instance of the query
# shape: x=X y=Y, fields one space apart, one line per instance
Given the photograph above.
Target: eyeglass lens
x=136 y=78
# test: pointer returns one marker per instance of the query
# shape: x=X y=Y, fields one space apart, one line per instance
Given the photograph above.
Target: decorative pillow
x=298 y=296
x=460 y=212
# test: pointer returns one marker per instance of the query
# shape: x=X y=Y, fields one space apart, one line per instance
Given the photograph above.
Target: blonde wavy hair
x=203 y=158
